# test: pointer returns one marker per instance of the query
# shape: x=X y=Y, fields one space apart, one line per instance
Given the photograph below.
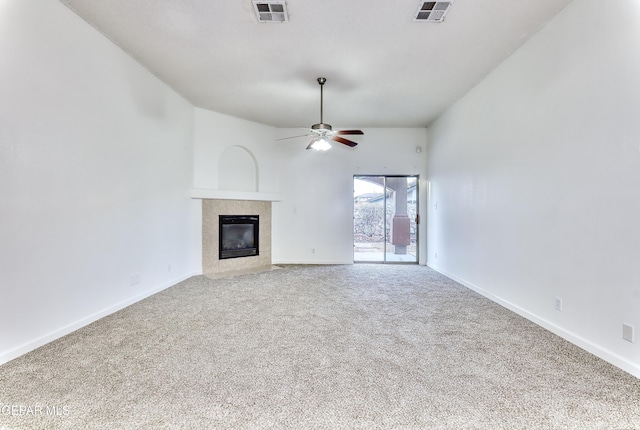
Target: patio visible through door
x=384 y=219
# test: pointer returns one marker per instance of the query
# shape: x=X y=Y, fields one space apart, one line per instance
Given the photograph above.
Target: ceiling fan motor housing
x=321 y=126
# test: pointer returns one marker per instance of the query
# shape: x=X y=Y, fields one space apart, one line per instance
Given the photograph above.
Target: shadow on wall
x=238 y=170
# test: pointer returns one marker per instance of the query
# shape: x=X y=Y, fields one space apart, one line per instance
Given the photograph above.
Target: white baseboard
x=314 y=262
x=11 y=354
x=598 y=351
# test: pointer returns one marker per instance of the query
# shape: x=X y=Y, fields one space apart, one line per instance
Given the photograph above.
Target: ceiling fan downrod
x=321 y=81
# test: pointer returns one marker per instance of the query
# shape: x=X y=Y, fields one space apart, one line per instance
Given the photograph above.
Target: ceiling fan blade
x=293 y=137
x=349 y=132
x=345 y=141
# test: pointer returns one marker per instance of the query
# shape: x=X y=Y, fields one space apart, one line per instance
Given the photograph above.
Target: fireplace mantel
x=202 y=193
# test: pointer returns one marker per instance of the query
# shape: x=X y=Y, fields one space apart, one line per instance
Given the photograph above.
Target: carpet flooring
x=316 y=347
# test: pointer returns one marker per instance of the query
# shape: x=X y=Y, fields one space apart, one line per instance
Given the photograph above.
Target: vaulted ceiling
x=383 y=69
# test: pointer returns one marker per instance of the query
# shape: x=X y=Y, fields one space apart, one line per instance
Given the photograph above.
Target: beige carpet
x=316 y=347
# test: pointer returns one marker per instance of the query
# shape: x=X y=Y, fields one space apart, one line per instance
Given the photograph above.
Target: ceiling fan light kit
x=323 y=133
x=319 y=144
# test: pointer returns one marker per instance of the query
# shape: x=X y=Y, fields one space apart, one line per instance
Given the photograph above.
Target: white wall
x=316 y=211
x=216 y=133
x=316 y=189
x=95 y=171
x=536 y=178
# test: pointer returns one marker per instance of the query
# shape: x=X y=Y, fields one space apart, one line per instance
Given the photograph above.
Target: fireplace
x=239 y=235
x=212 y=209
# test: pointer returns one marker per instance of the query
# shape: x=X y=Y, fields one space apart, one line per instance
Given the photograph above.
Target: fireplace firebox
x=238 y=236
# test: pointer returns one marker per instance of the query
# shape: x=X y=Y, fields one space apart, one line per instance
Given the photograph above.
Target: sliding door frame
x=412 y=229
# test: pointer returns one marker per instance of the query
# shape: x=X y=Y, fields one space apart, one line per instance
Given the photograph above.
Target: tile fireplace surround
x=211 y=208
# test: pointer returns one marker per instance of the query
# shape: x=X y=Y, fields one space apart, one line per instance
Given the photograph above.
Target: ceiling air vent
x=271 y=11
x=432 y=11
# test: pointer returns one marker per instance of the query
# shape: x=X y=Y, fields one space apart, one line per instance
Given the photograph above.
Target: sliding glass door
x=384 y=219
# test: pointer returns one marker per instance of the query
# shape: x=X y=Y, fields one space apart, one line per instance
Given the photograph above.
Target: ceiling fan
x=322 y=133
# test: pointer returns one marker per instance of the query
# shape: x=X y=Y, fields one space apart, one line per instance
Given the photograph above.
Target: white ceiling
x=382 y=68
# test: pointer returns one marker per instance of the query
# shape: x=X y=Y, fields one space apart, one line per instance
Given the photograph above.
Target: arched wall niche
x=238 y=170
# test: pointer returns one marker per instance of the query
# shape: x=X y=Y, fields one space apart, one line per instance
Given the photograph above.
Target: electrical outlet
x=436 y=255
x=169 y=268
x=313 y=250
x=627 y=332
x=559 y=304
